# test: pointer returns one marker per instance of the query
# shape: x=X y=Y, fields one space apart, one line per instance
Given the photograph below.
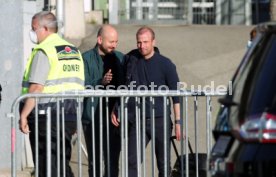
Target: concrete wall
x=74 y=19
x=11 y=22
x=73 y=24
x=29 y=9
x=113 y=12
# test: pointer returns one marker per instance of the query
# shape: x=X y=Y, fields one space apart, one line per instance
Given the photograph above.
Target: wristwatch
x=178 y=121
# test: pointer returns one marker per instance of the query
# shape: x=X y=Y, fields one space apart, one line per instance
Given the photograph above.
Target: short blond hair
x=145 y=29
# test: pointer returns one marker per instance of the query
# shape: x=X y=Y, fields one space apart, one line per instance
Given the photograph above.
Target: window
x=243 y=80
x=264 y=91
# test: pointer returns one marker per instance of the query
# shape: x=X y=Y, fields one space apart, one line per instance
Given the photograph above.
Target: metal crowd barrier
x=123 y=95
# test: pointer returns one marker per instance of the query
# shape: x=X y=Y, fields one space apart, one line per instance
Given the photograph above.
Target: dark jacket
x=131 y=61
x=94 y=71
x=137 y=71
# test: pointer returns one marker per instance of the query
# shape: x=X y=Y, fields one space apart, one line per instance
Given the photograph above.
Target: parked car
x=245 y=130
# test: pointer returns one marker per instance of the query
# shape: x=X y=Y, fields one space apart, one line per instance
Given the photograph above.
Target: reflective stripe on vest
x=57 y=81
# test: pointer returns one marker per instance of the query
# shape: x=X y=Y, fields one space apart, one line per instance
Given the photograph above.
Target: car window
x=237 y=92
x=264 y=90
x=243 y=78
x=222 y=121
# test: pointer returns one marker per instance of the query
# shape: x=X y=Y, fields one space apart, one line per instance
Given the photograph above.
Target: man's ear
x=153 y=42
x=46 y=29
x=99 y=40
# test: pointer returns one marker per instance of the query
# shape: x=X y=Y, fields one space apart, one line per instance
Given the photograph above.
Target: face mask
x=33 y=36
x=249 y=43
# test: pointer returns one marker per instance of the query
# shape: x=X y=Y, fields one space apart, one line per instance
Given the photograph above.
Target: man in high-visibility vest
x=54 y=66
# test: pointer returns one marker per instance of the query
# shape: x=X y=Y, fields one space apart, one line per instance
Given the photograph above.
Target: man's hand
x=107 y=77
x=178 y=122
x=115 y=121
x=177 y=132
x=23 y=125
x=28 y=107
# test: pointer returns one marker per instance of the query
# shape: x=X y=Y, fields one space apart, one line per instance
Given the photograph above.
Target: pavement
x=201 y=53
x=204 y=56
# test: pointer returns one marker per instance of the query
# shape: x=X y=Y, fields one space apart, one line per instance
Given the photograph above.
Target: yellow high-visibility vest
x=66 y=66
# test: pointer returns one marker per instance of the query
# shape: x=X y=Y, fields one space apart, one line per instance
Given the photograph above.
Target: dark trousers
x=114 y=147
x=159 y=146
x=70 y=129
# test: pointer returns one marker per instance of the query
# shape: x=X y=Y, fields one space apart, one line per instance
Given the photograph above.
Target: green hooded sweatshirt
x=93 y=68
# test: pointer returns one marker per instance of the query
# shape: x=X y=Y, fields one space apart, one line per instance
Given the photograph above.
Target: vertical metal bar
x=127 y=2
x=257 y=8
x=79 y=136
x=93 y=5
x=36 y=138
x=181 y=134
x=152 y=135
x=140 y=136
x=48 y=142
x=211 y=125
x=101 y=136
x=203 y=13
x=93 y=134
x=58 y=136
x=154 y=10
x=138 y=139
x=107 y=137
x=165 y=105
x=209 y=119
x=214 y=13
x=196 y=131
x=45 y=5
x=150 y=14
x=218 y=12
x=139 y=9
x=60 y=15
x=248 y=12
x=190 y=12
x=229 y=11
x=144 y=133
x=186 y=139
x=208 y=128
x=139 y=126
x=13 y=144
x=63 y=137
x=123 y=173
x=126 y=133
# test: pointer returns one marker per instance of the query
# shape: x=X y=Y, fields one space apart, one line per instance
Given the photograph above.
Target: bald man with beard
x=103 y=70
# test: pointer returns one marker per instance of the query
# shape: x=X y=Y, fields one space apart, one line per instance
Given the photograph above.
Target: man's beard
x=104 y=50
